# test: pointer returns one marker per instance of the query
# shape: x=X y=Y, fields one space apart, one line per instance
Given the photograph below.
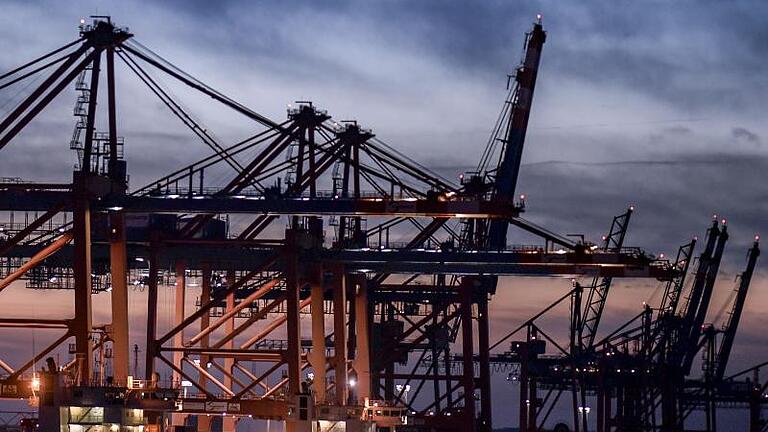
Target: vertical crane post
x=118 y=257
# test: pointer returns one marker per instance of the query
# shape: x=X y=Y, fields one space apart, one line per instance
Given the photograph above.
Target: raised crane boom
x=695 y=328
x=729 y=330
x=517 y=125
x=665 y=320
x=674 y=287
x=689 y=310
x=598 y=291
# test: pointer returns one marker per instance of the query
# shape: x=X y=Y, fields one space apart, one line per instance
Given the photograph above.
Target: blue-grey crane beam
x=677 y=348
x=730 y=328
x=517 y=125
x=695 y=328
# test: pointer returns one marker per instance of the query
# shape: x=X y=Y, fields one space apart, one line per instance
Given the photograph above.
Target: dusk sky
x=652 y=103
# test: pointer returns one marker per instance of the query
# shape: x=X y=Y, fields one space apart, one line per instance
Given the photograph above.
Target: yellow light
x=35 y=384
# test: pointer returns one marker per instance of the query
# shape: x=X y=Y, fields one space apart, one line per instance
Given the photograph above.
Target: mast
x=517 y=126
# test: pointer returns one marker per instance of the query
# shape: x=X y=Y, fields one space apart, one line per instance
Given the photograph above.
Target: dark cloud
x=678 y=130
x=636 y=104
x=745 y=134
x=674 y=198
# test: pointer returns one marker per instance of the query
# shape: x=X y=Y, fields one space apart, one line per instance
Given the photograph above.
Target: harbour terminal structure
x=337 y=283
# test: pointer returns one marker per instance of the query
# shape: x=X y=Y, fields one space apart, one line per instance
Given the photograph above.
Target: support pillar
x=228 y=422
x=600 y=399
x=317 y=355
x=533 y=403
x=435 y=356
x=340 y=334
x=362 y=361
x=669 y=420
x=524 y=401
x=389 y=370
x=294 y=328
x=575 y=405
x=81 y=324
x=583 y=403
x=151 y=314
x=620 y=420
x=178 y=339
x=118 y=268
x=293 y=336
x=204 y=422
x=755 y=418
x=468 y=373
x=608 y=406
x=483 y=334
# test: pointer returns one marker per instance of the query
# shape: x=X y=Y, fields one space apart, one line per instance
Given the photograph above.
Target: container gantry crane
x=630 y=373
x=711 y=389
x=96 y=235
